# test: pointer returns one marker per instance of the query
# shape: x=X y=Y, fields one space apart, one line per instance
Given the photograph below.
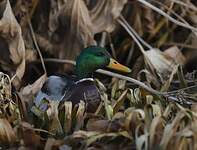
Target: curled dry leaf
x=170 y=130
x=30 y=90
x=7 y=135
x=176 y=55
x=28 y=93
x=133 y=119
x=54 y=124
x=68 y=117
x=156 y=128
x=5 y=92
x=11 y=32
x=80 y=116
x=160 y=62
x=28 y=131
x=165 y=63
x=108 y=107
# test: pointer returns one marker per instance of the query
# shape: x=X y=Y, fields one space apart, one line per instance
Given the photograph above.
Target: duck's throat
x=83 y=73
x=85 y=68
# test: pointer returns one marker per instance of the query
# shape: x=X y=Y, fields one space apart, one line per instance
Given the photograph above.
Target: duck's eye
x=100 y=54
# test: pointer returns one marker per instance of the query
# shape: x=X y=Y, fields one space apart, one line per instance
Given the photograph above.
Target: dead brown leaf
x=97 y=125
x=105 y=13
x=176 y=55
x=80 y=24
x=10 y=30
x=77 y=26
x=28 y=131
x=7 y=135
x=148 y=15
x=27 y=93
x=161 y=63
x=35 y=87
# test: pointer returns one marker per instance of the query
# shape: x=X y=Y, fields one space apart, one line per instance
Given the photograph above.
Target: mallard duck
x=62 y=88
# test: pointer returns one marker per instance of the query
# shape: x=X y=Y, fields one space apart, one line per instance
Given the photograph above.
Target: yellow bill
x=113 y=64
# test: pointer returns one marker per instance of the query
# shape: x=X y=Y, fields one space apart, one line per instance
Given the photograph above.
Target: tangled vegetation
x=154 y=107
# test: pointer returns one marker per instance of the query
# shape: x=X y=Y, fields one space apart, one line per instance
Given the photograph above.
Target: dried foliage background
x=156 y=39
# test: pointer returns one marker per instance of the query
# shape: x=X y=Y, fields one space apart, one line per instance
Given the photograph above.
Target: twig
x=185 y=5
x=182 y=89
x=37 y=47
x=112 y=74
x=167 y=16
x=135 y=38
x=103 y=39
x=42 y=130
x=35 y=4
x=141 y=84
x=131 y=34
x=174 y=13
x=111 y=45
x=130 y=53
x=181 y=45
x=171 y=11
x=36 y=129
x=60 y=61
x=136 y=34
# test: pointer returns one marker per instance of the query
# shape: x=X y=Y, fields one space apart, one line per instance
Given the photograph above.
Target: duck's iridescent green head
x=93 y=58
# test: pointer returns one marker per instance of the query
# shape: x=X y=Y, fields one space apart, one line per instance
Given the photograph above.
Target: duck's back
x=87 y=91
x=63 y=88
x=53 y=89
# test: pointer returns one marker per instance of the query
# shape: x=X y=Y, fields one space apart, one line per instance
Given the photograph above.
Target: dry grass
x=156 y=39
